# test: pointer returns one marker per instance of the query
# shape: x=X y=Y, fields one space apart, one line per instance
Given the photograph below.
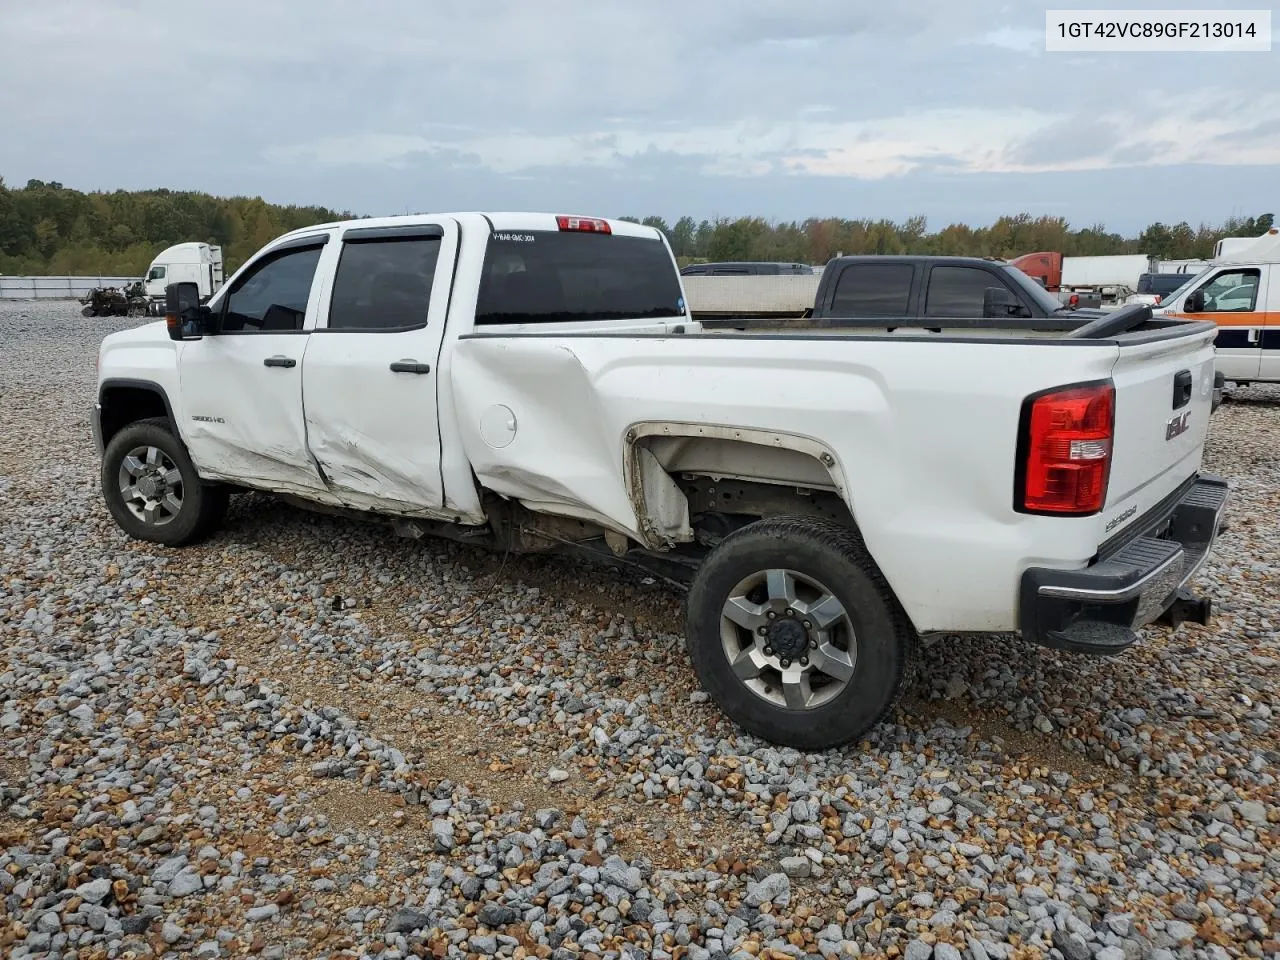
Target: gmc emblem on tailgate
x=1178 y=425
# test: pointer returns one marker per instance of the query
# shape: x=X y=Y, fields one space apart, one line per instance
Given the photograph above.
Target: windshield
x=1042 y=297
x=1164 y=284
x=1187 y=280
x=1192 y=278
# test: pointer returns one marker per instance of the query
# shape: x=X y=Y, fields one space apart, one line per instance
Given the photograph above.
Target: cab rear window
x=557 y=277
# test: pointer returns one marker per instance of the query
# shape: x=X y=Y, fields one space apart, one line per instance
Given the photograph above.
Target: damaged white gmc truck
x=531 y=381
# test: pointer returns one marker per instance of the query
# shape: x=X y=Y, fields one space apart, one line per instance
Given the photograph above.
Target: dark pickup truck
x=963 y=291
x=971 y=290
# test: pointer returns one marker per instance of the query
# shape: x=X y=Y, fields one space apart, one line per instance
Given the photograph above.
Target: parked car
x=533 y=382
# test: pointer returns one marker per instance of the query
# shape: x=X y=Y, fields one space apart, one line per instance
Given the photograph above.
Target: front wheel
x=152 y=489
x=796 y=635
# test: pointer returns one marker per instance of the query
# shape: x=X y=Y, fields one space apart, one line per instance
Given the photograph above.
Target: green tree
x=48 y=228
x=682 y=237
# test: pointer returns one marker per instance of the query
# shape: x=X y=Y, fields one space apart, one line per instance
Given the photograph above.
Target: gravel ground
x=308 y=739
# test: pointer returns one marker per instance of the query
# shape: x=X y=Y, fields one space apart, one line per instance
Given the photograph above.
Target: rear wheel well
x=699 y=482
x=123 y=404
x=718 y=506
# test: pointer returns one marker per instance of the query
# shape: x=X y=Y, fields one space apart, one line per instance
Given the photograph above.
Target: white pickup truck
x=528 y=381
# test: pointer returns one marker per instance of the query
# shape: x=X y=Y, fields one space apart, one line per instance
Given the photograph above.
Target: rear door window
x=384 y=284
x=560 y=276
x=873 y=290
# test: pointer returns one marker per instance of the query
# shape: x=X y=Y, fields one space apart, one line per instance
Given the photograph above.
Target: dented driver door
x=241 y=395
x=370 y=374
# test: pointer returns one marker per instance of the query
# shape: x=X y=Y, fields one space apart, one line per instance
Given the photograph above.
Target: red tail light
x=1064 y=450
x=1073 y=300
x=583 y=224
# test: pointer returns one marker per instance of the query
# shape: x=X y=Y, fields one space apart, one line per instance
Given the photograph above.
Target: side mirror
x=1194 y=302
x=184 y=316
x=1000 y=302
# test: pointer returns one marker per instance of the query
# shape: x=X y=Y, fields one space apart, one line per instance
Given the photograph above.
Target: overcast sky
x=630 y=107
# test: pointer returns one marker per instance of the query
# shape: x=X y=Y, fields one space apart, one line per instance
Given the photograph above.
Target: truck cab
x=198 y=263
x=1241 y=294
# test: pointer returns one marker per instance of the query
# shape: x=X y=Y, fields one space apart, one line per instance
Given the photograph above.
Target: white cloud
x=325 y=101
x=863 y=149
x=1018 y=39
x=976 y=140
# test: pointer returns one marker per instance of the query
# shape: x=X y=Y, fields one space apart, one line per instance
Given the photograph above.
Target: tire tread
x=212 y=501
x=845 y=541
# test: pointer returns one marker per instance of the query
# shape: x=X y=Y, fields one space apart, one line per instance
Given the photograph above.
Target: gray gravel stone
x=797 y=868
x=772 y=889
x=186 y=882
x=1252 y=811
x=95 y=891
x=497 y=915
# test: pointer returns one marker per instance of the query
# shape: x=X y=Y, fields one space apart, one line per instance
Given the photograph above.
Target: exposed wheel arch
x=672 y=468
x=125 y=401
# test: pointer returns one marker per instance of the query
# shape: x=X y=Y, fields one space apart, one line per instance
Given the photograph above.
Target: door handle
x=1253 y=336
x=1182 y=385
x=410 y=366
x=279 y=362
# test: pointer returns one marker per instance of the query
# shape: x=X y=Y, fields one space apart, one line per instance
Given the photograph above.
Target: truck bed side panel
x=924 y=433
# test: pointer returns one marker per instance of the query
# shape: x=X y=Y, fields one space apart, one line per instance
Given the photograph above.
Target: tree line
x=46 y=228
x=817 y=240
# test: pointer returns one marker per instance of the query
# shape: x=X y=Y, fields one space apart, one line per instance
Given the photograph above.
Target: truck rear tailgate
x=1164 y=395
x=1161 y=515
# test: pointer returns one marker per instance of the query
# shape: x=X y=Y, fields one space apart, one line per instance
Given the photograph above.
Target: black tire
x=884 y=647
x=202 y=506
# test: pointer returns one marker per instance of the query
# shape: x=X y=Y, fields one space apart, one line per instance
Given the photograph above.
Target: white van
x=1240 y=292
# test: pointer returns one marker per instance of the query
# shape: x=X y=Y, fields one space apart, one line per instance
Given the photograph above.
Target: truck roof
x=194 y=248
x=1264 y=249
x=915 y=258
x=498 y=221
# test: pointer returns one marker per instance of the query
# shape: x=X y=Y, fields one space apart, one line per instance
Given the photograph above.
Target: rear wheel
x=152 y=489
x=795 y=634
